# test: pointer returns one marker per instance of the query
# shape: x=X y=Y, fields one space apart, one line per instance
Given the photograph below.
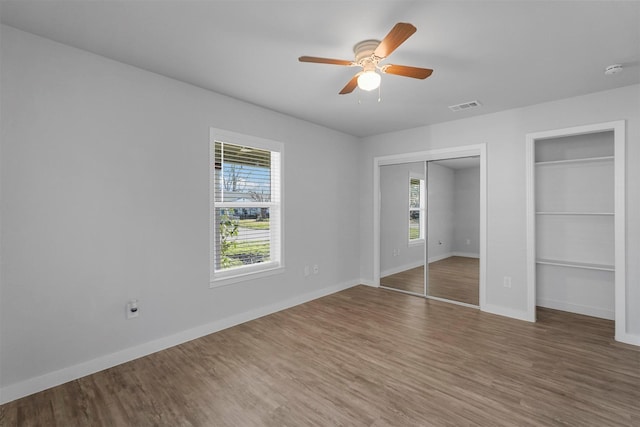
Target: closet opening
x=575 y=222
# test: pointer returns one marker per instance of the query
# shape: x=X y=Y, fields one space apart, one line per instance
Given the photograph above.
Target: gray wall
x=394 y=222
x=466 y=212
x=105 y=197
x=453 y=204
x=440 y=207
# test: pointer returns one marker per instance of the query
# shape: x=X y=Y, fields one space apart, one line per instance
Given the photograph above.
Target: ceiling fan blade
x=325 y=60
x=353 y=83
x=404 y=70
x=398 y=34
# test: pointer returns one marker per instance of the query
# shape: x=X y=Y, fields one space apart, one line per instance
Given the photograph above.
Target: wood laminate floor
x=364 y=357
x=455 y=278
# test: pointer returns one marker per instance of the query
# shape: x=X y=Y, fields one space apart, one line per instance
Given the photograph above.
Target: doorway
x=576 y=249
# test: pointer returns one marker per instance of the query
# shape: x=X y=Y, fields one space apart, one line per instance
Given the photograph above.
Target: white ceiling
x=504 y=54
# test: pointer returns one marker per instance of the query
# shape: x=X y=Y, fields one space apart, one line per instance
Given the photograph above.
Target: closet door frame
x=620 y=288
x=425 y=156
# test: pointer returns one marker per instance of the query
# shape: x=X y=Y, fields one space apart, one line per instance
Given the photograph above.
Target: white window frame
x=276 y=264
x=421 y=209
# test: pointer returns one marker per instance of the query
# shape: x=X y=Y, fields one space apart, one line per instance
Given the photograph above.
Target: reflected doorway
x=453 y=251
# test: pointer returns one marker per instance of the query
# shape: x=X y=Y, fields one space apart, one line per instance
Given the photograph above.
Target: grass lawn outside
x=414 y=231
x=254 y=224
x=245 y=251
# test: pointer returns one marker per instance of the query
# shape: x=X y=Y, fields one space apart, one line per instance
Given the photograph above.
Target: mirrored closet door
x=453 y=230
x=403 y=227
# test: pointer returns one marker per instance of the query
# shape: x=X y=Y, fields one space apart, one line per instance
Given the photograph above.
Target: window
x=416 y=209
x=245 y=182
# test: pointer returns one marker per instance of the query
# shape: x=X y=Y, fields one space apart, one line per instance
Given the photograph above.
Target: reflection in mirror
x=403 y=227
x=453 y=187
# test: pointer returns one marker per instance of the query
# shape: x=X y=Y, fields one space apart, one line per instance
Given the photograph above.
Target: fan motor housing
x=365 y=49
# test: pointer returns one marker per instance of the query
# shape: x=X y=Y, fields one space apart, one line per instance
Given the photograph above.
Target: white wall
x=394 y=220
x=105 y=197
x=504 y=133
x=440 y=196
x=466 y=212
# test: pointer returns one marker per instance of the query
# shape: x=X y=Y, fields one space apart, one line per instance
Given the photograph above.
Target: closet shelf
x=582 y=160
x=572 y=264
x=576 y=213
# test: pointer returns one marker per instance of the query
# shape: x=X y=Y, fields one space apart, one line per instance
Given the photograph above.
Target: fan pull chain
x=379 y=95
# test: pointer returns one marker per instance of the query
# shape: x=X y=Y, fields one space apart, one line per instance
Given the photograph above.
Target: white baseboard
x=465 y=254
x=439 y=257
x=368 y=282
x=628 y=338
x=401 y=268
x=52 y=379
x=409 y=266
x=576 y=308
x=454 y=253
x=507 y=312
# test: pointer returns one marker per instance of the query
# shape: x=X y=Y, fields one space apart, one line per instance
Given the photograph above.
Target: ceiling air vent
x=465 y=106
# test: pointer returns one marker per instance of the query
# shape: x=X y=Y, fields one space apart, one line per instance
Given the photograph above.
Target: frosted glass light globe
x=369 y=80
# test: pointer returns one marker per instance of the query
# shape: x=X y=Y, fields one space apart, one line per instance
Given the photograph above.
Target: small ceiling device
x=369 y=54
x=613 y=69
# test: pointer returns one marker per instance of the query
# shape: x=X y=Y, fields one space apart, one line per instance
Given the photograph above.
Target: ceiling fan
x=369 y=54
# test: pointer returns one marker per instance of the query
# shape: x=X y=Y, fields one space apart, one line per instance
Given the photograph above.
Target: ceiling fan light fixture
x=369 y=80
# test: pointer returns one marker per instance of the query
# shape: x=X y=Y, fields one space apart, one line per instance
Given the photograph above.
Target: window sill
x=243 y=276
x=416 y=242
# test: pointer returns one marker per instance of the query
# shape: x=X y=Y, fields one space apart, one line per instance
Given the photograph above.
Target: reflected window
x=416 y=209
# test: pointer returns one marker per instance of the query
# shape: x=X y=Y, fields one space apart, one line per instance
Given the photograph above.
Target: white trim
x=620 y=251
x=415 y=264
x=250 y=272
x=401 y=268
x=618 y=127
x=483 y=227
x=576 y=308
x=633 y=339
x=368 y=282
x=388 y=288
x=440 y=257
x=454 y=253
x=530 y=160
x=507 y=312
x=61 y=376
x=425 y=156
x=465 y=254
x=451 y=301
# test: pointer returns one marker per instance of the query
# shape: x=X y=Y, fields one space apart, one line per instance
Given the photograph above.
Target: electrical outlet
x=468 y=241
x=506 y=282
x=132 y=309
